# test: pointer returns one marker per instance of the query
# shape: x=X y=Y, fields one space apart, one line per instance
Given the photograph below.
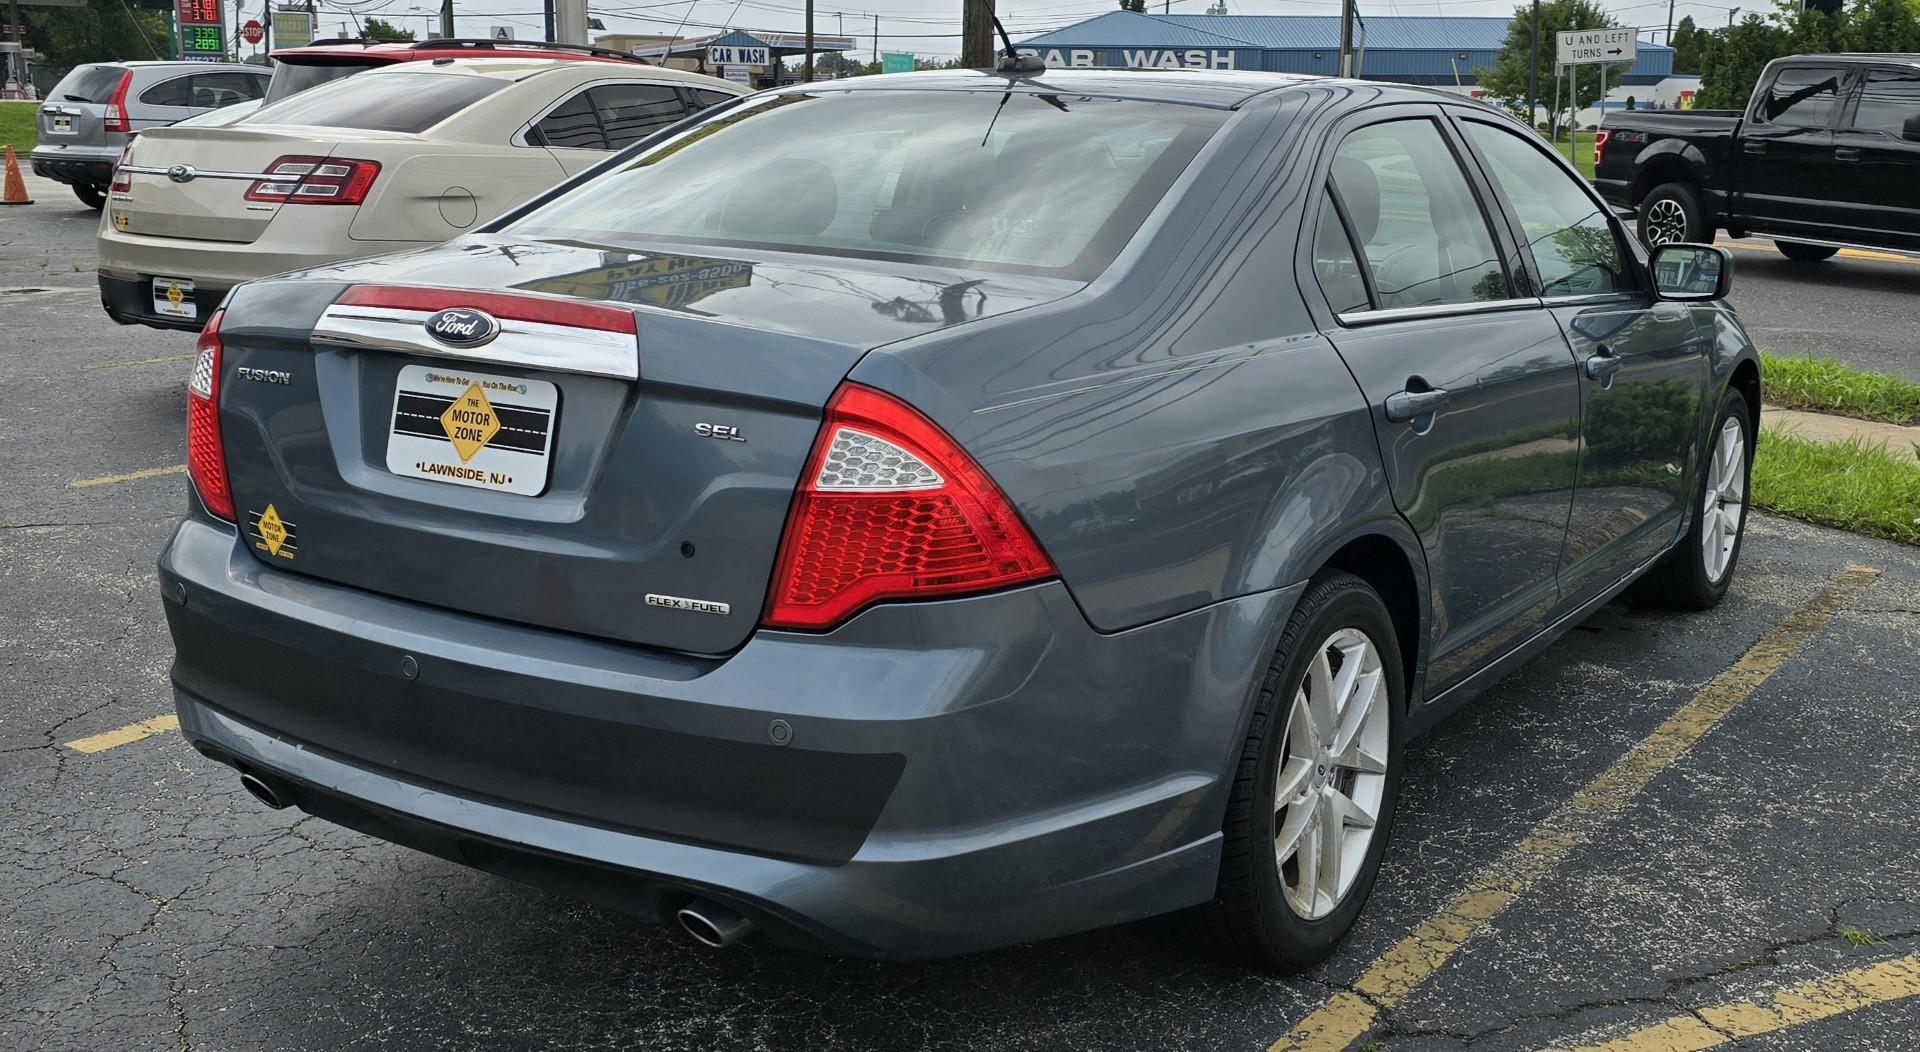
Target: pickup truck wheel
x=1671 y=212
x=1801 y=252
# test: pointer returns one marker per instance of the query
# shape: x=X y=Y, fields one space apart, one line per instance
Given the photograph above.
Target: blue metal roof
x=1422 y=32
x=1127 y=29
x=737 y=38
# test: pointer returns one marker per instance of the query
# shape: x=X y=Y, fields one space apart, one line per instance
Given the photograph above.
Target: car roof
x=1891 y=58
x=521 y=68
x=1215 y=88
x=409 y=51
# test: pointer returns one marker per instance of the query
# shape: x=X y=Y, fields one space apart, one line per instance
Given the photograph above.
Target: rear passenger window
x=702 y=98
x=1573 y=244
x=1420 y=231
x=631 y=112
x=224 y=89
x=1802 y=98
x=1334 y=262
x=571 y=126
x=175 y=92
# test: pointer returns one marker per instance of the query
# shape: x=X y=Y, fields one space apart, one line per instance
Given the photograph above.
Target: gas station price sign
x=202 y=36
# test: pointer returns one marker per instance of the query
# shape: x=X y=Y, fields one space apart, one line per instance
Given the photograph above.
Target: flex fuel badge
x=272 y=534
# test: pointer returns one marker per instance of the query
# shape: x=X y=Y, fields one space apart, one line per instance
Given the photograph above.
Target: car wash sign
x=1148 y=57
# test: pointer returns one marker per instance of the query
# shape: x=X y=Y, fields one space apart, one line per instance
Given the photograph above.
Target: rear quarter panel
x=1178 y=433
x=431 y=190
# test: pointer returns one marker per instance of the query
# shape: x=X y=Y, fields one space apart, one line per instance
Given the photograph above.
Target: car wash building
x=1440 y=51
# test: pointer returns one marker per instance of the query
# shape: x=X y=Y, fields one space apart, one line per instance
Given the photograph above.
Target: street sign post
x=253 y=32
x=500 y=32
x=292 y=27
x=1581 y=47
x=895 y=62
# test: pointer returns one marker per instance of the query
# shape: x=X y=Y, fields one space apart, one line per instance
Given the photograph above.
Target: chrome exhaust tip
x=712 y=924
x=261 y=791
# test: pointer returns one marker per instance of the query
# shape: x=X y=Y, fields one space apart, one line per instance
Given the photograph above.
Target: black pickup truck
x=1826 y=155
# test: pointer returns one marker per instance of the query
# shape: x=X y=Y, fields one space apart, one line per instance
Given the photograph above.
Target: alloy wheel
x=1666 y=222
x=1721 y=509
x=1332 y=780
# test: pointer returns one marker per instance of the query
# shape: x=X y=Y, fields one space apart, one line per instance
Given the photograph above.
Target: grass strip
x=1824 y=386
x=20 y=127
x=1865 y=489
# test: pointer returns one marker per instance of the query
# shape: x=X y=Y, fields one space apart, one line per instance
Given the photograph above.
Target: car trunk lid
x=192 y=182
x=672 y=449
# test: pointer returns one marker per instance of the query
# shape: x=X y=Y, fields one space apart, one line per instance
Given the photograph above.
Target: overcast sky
x=925 y=27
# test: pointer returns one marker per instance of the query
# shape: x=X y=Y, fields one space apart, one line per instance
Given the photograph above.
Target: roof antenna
x=1010 y=60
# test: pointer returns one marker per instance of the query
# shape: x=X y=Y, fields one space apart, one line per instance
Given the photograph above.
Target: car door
x=1643 y=365
x=1878 y=147
x=1476 y=403
x=1786 y=174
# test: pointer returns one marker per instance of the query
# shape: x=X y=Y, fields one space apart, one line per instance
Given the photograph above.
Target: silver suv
x=94 y=110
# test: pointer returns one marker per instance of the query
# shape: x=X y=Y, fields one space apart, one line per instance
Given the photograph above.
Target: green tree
x=1881 y=25
x=1134 y=5
x=1507 y=80
x=102 y=31
x=381 y=29
x=1688 y=42
x=1733 y=59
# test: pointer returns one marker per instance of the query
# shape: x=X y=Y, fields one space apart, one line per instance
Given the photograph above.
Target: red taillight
x=1600 y=146
x=121 y=180
x=892 y=508
x=206 y=457
x=116 y=115
x=301 y=180
x=501 y=305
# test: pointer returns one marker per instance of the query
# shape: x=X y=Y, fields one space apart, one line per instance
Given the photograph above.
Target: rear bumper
x=959 y=775
x=1614 y=191
x=75 y=165
x=315 y=240
x=129 y=301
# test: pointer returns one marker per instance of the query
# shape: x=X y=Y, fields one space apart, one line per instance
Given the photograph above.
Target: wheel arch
x=1746 y=380
x=1668 y=162
x=1391 y=563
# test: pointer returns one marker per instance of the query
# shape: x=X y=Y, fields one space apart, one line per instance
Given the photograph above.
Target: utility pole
x=446 y=19
x=1533 y=72
x=1669 y=23
x=976 y=34
x=1346 y=38
x=1730 y=13
x=876 y=40
x=807 y=73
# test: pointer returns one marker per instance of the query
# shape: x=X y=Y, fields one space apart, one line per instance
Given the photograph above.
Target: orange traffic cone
x=16 y=192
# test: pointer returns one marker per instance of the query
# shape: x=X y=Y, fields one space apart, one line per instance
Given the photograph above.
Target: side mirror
x=1910 y=128
x=1691 y=273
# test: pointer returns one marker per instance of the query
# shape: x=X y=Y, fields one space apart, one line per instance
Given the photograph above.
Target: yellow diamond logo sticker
x=174 y=295
x=272 y=530
x=470 y=422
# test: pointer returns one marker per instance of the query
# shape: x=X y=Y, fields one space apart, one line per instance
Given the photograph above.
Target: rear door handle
x=1755 y=147
x=1403 y=406
x=1846 y=153
x=1601 y=364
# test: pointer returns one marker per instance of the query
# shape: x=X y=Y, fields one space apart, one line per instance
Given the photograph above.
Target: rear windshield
x=397 y=102
x=1041 y=184
x=292 y=78
x=88 y=84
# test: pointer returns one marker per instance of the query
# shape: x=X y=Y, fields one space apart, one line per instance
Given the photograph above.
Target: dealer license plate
x=173 y=298
x=473 y=429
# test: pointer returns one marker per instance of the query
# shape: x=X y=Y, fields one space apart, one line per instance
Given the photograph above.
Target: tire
x=1686 y=578
x=1258 y=915
x=91 y=196
x=1801 y=252
x=1672 y=212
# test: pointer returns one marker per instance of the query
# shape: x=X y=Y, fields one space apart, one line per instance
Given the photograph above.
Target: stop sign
x=252 y=33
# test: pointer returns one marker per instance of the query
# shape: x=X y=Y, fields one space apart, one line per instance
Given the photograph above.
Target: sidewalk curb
x=1825 y=427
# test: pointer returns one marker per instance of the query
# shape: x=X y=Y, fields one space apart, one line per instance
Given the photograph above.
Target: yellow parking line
x=108 y=480
x=1845 y=253
x=1348 y=1015
x=162 y=360
x=1807 y=1003
x=127 y=735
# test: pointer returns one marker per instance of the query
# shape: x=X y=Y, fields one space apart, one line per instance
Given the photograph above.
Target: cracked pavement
x=146 y=902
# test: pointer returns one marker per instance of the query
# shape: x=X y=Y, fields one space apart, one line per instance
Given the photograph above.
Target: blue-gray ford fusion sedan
x=926 y=513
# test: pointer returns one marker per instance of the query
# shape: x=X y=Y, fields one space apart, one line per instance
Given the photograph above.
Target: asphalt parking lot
x=1670 y=831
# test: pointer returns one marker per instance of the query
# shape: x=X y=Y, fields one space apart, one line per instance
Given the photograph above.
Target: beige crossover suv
x=389 y=160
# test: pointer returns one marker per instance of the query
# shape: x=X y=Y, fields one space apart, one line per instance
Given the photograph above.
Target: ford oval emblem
x=463 y=327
